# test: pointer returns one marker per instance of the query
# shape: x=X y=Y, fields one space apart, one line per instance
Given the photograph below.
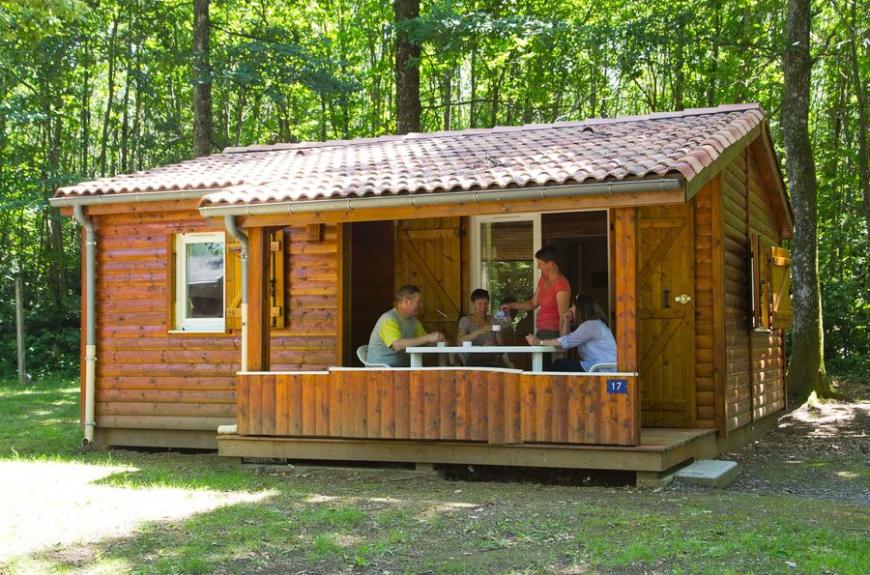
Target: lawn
x=123 y=512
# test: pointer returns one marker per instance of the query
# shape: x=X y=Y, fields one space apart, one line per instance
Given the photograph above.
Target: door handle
x=682 y=299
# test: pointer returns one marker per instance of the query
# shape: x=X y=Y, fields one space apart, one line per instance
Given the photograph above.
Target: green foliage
x=292 y=71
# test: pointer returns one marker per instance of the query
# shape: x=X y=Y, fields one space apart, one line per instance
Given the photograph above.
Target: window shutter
x=276 y=278
x=763 y=283
x=760 y=284
x=233 y=284
x=780 y=287
x=173 y=278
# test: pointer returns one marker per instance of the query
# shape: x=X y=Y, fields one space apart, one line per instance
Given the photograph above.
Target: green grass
x=370 y=521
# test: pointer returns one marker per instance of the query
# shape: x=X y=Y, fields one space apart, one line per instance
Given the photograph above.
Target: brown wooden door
x=666 y=310
x=428 y=256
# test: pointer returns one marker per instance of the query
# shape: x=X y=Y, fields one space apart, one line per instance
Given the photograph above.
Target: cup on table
x=467 y=343
x=441 y=344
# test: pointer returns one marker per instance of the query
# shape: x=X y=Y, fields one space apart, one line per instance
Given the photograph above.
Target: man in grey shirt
x=399 y=328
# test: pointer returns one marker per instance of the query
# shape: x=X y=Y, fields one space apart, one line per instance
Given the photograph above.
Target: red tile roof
x=651 y=146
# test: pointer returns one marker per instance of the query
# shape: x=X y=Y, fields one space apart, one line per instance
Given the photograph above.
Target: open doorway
x=581 y=238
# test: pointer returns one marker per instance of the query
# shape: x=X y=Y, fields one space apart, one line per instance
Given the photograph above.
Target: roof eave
x=129 y=197
x=457 y=197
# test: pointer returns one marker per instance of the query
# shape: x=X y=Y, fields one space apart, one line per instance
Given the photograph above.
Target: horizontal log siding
x=754 y=385
x=768 y=368
x=147 y=377
x=309 y=340
x=150 y=378
x=453 y=405
x=705 y=401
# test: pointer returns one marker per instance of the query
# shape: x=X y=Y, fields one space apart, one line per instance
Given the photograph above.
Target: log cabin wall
x=150 y=378
x=147 y=377
x=707 y=372
x=310 y=338
x=755 y=380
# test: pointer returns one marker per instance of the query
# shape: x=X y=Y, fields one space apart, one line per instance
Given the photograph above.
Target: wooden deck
x=659 y=450
x=459 y=416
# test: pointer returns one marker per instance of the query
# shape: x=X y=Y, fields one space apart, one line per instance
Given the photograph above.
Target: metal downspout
x=91 y=321
x=233 y=230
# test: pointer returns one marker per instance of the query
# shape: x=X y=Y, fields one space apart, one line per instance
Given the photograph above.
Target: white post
x=19 y=319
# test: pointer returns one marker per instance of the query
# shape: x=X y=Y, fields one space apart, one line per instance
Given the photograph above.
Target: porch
x=328 y=410
x=470 y=416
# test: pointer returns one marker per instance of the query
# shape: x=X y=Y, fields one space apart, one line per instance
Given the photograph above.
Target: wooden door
x=428 y=255
x=666 y=312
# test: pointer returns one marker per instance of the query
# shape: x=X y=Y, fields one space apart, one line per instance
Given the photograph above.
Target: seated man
x=399 y=328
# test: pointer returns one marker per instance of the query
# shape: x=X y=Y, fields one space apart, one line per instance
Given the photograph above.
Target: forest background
x=91 y=88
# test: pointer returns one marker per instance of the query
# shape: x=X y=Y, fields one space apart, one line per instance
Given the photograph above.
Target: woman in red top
x=552 y=295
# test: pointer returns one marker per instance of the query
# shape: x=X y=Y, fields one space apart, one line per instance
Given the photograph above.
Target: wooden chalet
x=233 y=290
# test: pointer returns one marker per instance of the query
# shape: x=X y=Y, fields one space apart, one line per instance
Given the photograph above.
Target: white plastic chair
x=602 y=366
x=362 y=354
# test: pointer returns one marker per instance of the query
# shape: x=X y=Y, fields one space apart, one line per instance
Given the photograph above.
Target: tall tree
x=408 y=107
x=202 y=115
x=806 y=372
x=863 y=160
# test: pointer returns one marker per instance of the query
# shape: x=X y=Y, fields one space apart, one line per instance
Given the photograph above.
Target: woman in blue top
x=592 y=338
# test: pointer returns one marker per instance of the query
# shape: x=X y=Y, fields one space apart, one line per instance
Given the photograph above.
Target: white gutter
x=90 y=321
x=234 y=231
x=132 y=197
x=433 y=199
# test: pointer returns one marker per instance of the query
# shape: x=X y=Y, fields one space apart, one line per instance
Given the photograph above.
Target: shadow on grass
x=528 y=532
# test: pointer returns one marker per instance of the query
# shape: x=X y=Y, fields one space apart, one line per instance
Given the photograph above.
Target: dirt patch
x=820 y=450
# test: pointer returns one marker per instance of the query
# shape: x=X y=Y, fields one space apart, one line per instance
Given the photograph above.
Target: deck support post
x=258 y=319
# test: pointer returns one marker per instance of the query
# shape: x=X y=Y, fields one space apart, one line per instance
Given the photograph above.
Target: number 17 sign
x=617 y=386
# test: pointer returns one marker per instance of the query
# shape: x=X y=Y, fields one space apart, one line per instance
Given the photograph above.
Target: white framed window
x=502 y=255
x=200 y=271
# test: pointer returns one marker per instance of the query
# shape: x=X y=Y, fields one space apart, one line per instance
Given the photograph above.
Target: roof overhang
x=129 y=197
x=421 y=200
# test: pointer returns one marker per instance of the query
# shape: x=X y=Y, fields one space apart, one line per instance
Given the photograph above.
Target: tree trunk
x=125 y=106
x=863 y=160
x=85 y=120
x=806 y=371
x=679 y=63
x=202 y=80
x=408 y=107
x=712 y=78
x=54 y=221
x=447 y=96
x=110 y=100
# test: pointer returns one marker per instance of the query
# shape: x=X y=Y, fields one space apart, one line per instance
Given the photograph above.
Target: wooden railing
x=498 y=406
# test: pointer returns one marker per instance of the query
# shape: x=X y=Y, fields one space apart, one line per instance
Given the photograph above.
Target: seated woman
x=478 y=329
x=592 y=338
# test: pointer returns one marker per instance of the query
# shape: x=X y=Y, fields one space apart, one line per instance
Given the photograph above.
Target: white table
x=537 y=352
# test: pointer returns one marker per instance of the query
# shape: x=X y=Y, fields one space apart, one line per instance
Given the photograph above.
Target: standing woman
x=552 y=296
x=477 y=328
x=592 y=338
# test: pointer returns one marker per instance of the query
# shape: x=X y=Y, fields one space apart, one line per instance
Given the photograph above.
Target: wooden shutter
x=780 y=287
x=276 y=279
x=234 y=281
x=173 y=278
x=759 y=277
